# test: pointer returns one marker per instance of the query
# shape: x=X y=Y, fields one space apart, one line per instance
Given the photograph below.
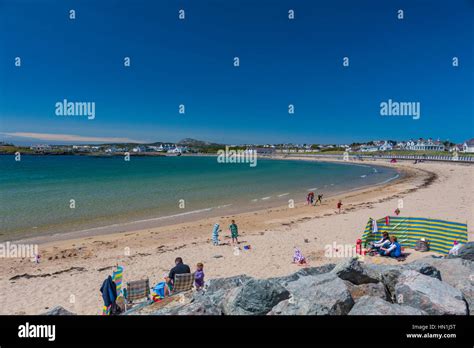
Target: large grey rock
x=369 y=305
x=429 y=294
x=307 y=271
x=216 y=289
x=424 y=268
x=254 y=297
x=324 y=294
x=466 y=252
x=386 y=274
x=369 y=289
x=58 y=310
x=458 y=273
x=199 y=306
x=352 y=270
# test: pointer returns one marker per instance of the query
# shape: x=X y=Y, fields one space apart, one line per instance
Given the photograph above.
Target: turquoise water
x=35 y=192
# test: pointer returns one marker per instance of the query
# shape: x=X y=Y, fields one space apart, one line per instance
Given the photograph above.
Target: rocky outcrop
x=429 y=294
x=370 y=289
x=429 y=286
x=257 y=296
x=324 y=294
x=352 y=270
x=58 y=310
x=369 y=305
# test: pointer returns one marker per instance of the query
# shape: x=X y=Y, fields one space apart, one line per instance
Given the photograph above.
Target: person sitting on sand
x=393 y=250
x=215 y=234
x=455 y=249
x=199 y=276
x=298 y=257
x=179 y=268
x=234 y=232
x=384 y=242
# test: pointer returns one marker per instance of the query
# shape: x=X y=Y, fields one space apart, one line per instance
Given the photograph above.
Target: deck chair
x=183 y=282
x=137 y=290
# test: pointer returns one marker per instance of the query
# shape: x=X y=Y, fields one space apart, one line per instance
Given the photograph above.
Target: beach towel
x=117 y=276
x=215 y=234
x=109 y=292
x=298 y=257
x=375 y=228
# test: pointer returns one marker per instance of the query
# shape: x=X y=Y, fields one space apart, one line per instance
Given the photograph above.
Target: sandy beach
x=71 y=271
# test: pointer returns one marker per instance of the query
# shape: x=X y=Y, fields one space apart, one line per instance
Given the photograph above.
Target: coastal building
x=425 y=145
x=468 y=146
x=386 y=146
x=369 y=148
x=40 y=147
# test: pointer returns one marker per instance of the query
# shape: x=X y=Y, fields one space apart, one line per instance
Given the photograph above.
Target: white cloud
x=70 y=138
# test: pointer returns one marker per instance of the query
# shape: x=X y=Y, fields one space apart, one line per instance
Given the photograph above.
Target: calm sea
x=36 y=193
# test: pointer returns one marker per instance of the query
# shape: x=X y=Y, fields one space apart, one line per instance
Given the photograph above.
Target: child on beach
x=339 y=206
x=320 y=200
x=199 y=276
x=215 y=235
x=234 y=232
x=298 y=257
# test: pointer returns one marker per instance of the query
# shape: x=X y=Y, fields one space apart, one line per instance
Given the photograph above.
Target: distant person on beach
x=320 y=200
x=199 y=276
x=234 y=232
x=215 y=234
x=179 y=268
x=310 y=198
x=393 y=250
x=397 y=211
x=339 y=206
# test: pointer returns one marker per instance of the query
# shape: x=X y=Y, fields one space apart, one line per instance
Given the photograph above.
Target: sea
x=53 y=195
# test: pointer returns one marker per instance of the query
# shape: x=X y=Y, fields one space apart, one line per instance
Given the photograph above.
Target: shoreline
x=199 y=214
x=78 y=266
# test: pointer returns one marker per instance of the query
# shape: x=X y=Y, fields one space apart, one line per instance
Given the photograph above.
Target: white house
x=468 y=146
x=386 y=146
x=425 y=145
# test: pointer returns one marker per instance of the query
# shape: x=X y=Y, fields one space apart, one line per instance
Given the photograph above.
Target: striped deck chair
x=183 y=282
x=137 y=290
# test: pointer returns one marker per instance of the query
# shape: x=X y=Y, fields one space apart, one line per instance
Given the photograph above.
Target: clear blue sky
x=282 y=62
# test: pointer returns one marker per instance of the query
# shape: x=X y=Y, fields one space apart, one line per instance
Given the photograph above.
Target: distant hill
x=194 y=142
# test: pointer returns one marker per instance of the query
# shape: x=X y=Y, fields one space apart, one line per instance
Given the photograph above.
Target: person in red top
x=339 y=206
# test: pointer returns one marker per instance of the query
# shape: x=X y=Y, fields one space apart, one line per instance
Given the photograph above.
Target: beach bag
x=159 y=289
x=422 y=245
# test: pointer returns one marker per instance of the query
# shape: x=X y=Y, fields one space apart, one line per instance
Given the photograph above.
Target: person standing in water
x=234 y=232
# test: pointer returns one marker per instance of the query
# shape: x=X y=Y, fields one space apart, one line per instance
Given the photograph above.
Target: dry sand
x=432 y=190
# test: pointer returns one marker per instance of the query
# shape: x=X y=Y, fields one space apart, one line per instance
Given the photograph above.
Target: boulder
x=352 y=270
x=201 y=305
x=369 y=289
x=216 y=289
x=424 y=268
x=369 y=305
x=466 y=252
x=254 y=297
x=58 y=310
x=386 y=274
x=429 y=294
x=307 y=271
x=324 y=294
x=458 y=273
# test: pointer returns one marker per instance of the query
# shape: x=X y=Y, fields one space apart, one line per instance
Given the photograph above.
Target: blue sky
x=190 y=62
